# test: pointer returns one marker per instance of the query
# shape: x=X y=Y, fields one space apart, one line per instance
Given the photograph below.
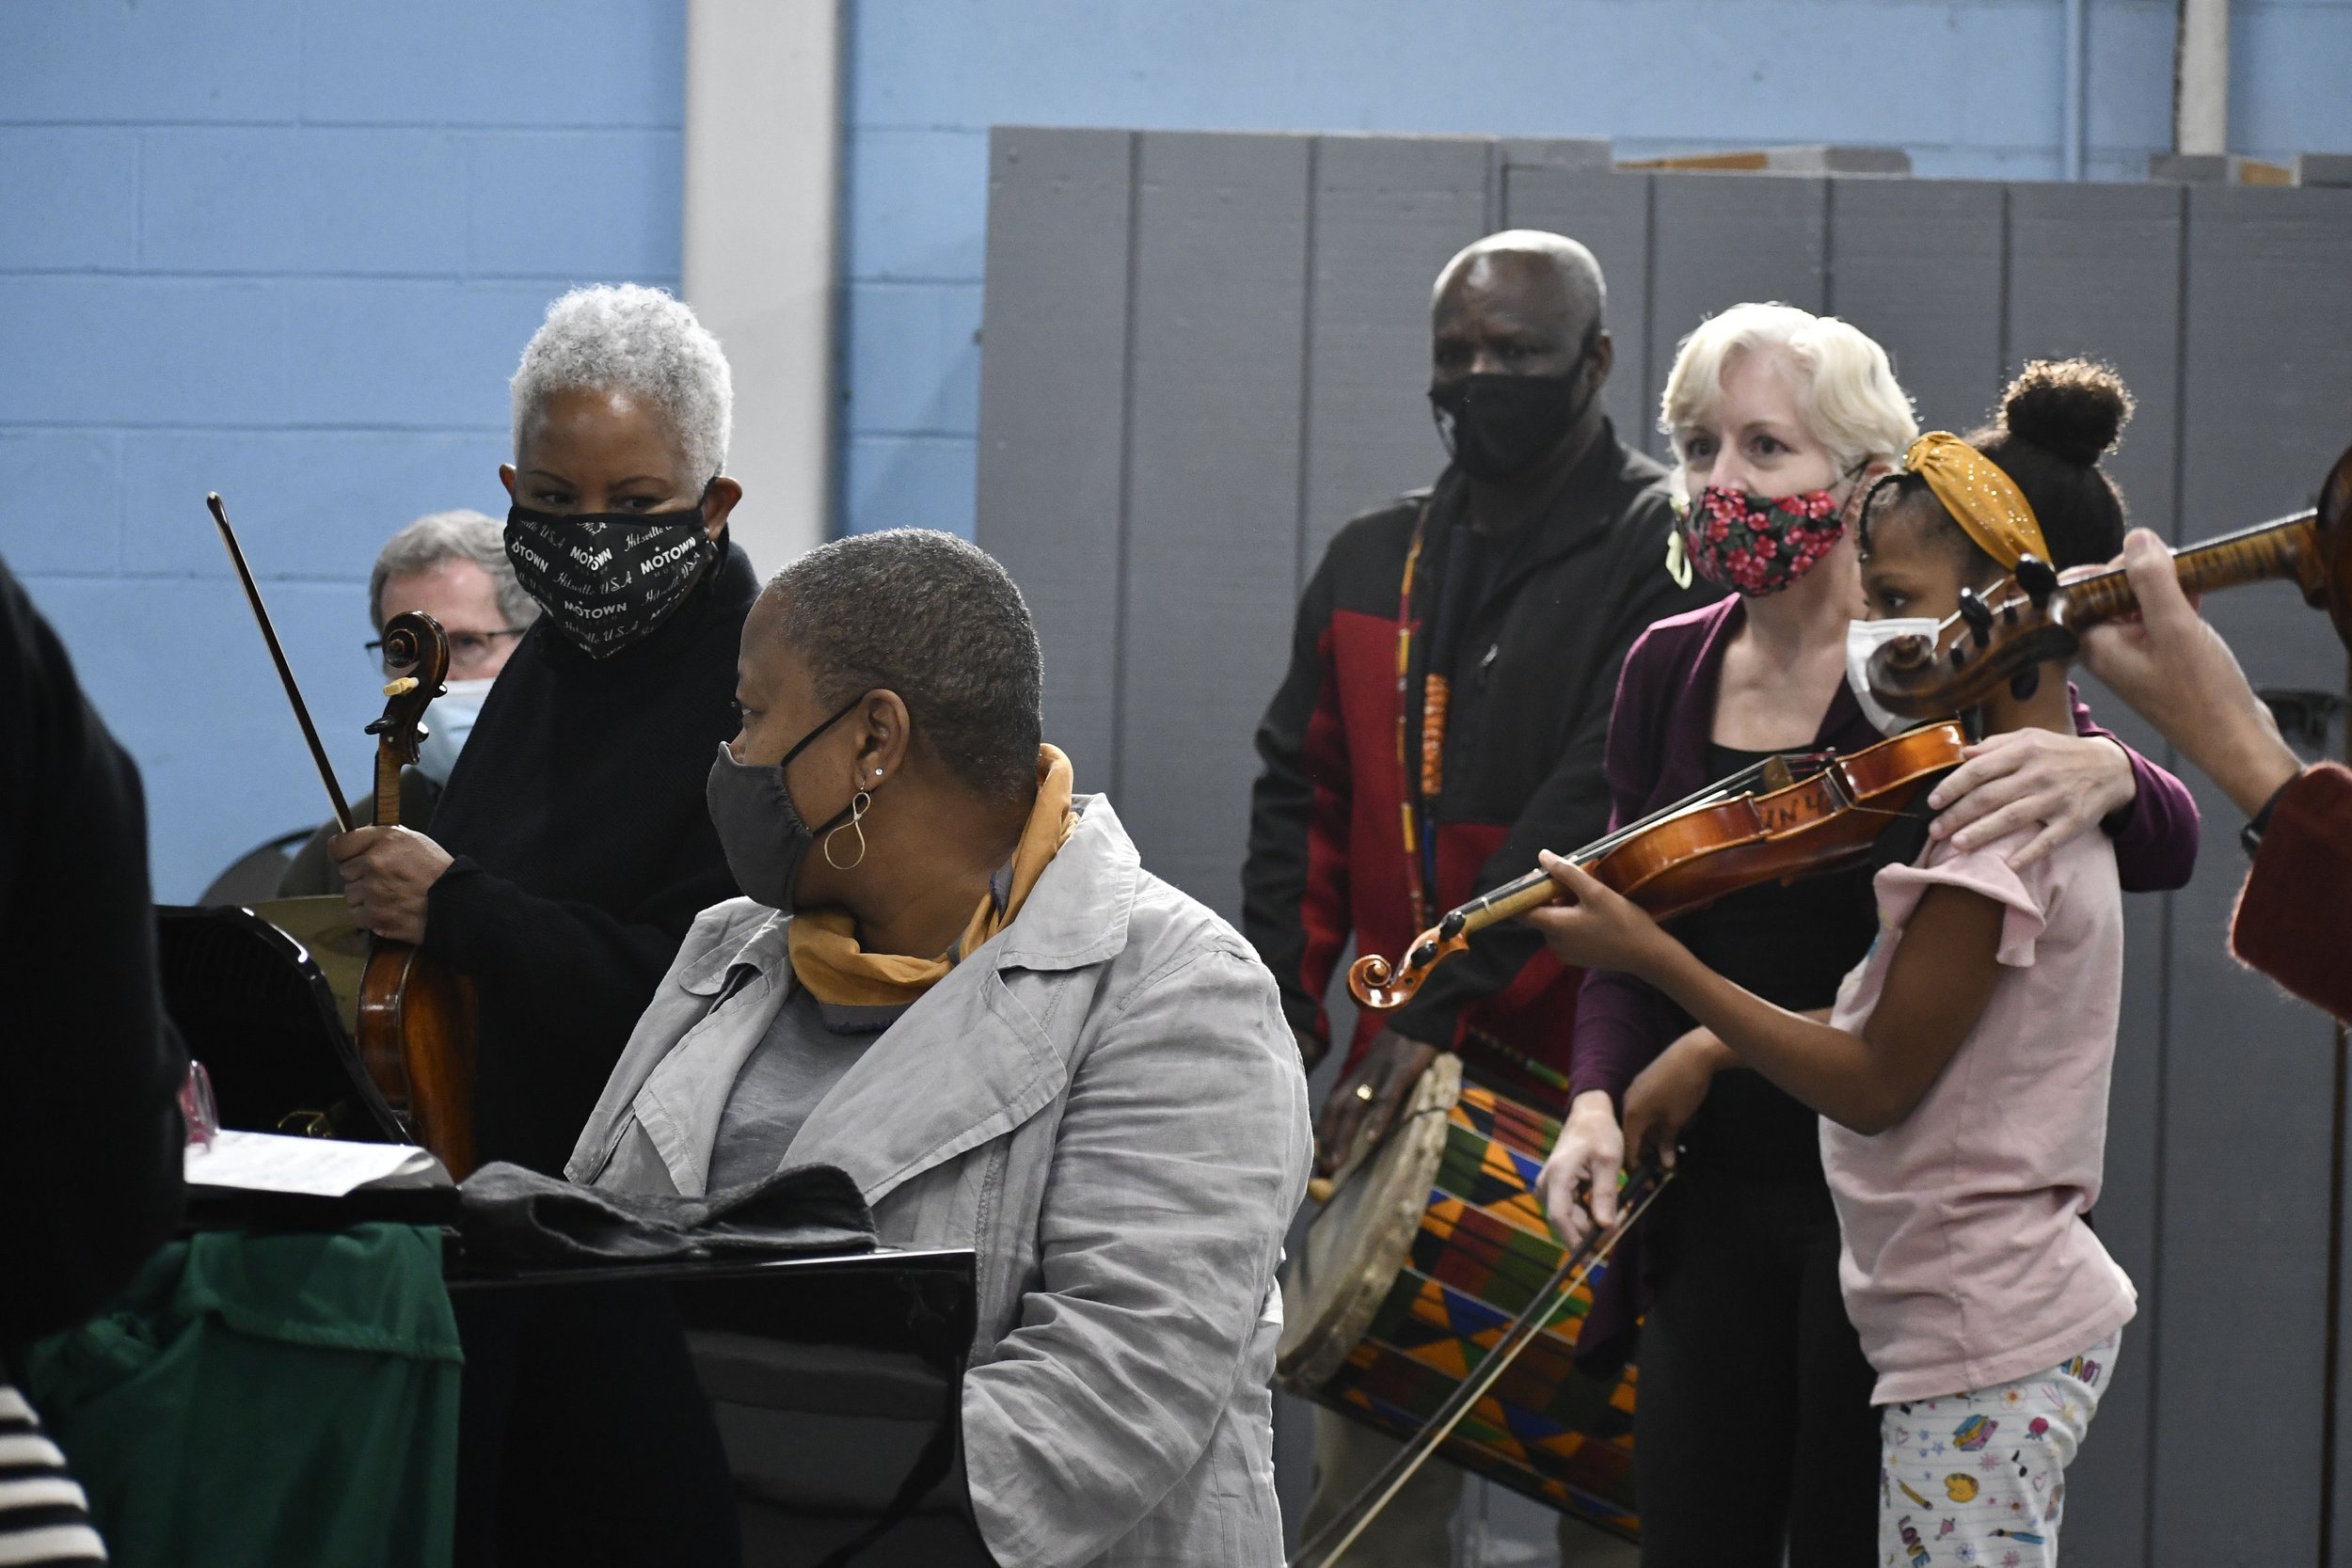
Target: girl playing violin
x=1962 y=1075
x=1781 y=421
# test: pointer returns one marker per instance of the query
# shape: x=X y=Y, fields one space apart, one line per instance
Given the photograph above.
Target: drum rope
x=1578 y=1266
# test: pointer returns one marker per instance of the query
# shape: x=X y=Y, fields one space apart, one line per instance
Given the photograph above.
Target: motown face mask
x=608 y=578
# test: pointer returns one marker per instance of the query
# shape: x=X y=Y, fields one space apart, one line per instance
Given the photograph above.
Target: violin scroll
x=414 y=642
x=1371 y=981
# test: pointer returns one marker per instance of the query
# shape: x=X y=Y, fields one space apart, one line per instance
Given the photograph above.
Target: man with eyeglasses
x=452 y=567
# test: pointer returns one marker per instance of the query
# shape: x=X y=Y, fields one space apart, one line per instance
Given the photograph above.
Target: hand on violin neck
x=2181 y=675
x=388 y=875
x=1593 y=927
x=2057 y=785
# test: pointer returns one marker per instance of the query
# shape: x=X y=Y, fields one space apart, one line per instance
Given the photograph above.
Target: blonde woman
x=1780 y=420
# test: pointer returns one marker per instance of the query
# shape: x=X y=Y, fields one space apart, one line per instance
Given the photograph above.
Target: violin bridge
x=1776 y=773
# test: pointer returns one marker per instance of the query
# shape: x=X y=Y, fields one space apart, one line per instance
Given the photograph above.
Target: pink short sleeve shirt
x=1965 y=1258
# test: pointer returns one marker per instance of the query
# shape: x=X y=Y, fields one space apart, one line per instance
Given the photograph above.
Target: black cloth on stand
x=511 y=1215
x=583 y=852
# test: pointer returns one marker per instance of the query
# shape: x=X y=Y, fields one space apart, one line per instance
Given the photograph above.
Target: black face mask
x=608 y=578
x=1497 y=425
x=759 y=828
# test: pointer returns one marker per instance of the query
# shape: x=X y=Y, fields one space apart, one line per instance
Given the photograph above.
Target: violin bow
x=277 y=657
x=1575 y=1268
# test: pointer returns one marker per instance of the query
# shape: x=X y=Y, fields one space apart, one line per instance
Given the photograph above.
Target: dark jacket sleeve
x=1294 y=887
x=2155 y=836
x=2295 y=915
x=569 y=978
x=1622 y=1022
x=1571 y=808
x=90 y=1133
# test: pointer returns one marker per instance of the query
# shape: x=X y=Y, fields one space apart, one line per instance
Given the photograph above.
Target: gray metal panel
x=1609 y=213
x=2267 y=392
x=1390 y=212
x=1053 y=409
x=1213 y=483
x=1720 y=240
x=1917 y=266
x=2095 y=270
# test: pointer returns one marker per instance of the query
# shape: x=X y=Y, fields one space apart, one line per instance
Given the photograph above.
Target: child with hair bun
x=1962 y=1075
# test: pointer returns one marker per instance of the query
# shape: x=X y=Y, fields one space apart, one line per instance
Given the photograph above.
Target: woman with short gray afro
x=638 y=339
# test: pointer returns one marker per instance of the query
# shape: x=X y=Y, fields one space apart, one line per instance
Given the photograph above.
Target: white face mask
x=1864 y=638
x=447 y=722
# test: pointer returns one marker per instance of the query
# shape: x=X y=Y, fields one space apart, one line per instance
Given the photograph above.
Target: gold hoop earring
x=859 y=806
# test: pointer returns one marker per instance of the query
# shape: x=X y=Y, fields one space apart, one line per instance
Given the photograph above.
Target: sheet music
x=322 y=1167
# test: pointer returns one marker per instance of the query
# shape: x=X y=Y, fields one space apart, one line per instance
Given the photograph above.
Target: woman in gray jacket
x=961 y=986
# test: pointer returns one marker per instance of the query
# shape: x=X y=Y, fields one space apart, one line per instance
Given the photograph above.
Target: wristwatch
x=2250 y=836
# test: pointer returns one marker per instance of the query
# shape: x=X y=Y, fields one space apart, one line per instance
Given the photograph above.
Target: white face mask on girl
x=1864 y=638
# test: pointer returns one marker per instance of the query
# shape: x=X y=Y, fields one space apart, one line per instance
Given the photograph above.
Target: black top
x=583 y=852
x=90 y=1131
x=1791 y=943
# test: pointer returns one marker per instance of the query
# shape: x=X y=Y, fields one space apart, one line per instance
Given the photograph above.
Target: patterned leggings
x=1978 y=1480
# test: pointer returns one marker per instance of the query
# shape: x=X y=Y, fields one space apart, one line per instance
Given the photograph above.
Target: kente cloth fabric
x=218 y=1413
x=825 y=952
x=1982 y=499
x=2296 y=905
x=514 y=1215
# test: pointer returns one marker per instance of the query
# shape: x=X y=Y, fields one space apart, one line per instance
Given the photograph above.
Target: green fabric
x=267 y=1399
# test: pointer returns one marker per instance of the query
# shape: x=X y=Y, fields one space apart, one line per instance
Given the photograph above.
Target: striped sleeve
x=44 y=1518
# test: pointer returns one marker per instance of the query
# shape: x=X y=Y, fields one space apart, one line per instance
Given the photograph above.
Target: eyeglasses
x=468 y=650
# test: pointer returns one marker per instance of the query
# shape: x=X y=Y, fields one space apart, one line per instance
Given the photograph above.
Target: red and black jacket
x=1532 y=668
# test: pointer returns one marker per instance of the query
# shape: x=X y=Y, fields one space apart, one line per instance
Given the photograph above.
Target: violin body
x=416 y=1014
x=1823 y=822
x=416 y=1042
x=1695 y=851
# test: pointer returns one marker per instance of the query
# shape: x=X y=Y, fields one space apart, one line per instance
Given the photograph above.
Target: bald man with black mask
x=1521 y=576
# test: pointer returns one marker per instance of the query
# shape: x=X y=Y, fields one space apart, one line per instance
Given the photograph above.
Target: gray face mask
x=759 y=828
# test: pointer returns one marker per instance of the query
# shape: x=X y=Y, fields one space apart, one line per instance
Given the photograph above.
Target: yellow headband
x=1984 y=501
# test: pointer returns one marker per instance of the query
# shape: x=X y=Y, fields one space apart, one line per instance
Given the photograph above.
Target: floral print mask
x=1757 y=546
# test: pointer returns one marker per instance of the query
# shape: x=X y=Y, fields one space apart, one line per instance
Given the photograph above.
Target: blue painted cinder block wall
x=290 y=252
x=289 y=248
x=1970 y=87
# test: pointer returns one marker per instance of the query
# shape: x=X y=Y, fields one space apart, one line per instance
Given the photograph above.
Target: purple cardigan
x=1657 y=752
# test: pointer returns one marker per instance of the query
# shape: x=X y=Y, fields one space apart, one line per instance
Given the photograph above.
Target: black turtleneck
x=583 y=852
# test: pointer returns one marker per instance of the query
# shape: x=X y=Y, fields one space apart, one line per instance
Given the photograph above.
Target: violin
x=416 y=1016
x=2003 y=637
x=1791 y=816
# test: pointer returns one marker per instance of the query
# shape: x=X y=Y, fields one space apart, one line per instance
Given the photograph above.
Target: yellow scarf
x=1982 y=499
x=825 y=952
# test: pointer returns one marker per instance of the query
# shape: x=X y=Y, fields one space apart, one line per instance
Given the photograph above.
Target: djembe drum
x=1413 y=1271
